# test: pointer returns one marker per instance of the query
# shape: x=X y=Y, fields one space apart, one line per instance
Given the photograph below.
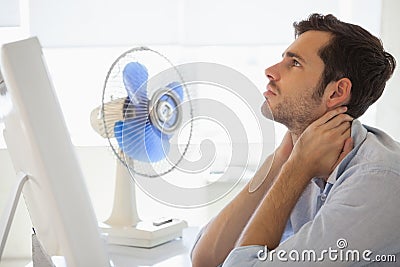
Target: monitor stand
x=39 y=256
x=9 y=211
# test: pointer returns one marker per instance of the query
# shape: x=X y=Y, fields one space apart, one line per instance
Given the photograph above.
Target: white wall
x=183 y=22
x=388 y=108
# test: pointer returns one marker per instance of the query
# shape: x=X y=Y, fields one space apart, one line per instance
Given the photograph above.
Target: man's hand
x=323 y=144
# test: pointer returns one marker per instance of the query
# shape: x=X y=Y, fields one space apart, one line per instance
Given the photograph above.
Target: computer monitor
x=40 y=146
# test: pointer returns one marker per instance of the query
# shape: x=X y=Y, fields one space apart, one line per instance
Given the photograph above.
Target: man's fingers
x=338 y=120
x=342 y=129
x=329 y=115
x=347 y=132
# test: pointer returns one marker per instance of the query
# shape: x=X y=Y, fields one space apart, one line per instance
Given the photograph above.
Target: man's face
x=294 y=80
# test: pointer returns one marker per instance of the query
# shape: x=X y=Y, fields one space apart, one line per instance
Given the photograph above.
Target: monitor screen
x=39 y=145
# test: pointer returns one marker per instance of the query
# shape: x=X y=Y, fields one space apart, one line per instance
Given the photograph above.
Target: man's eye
x=296 y=63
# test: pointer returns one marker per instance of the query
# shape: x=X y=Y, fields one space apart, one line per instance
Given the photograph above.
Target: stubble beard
x=295 y=114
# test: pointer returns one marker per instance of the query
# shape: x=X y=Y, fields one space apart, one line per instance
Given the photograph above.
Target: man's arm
x=222 y=232
x=317 y=152
x=362 y=211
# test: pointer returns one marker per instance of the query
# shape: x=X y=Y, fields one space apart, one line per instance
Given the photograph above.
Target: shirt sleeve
x=360 y=218
x=245 y=256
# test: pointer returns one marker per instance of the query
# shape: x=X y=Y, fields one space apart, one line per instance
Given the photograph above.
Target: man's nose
x=272 y=72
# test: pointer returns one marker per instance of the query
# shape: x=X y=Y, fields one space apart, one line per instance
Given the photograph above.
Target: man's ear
x=338 y=93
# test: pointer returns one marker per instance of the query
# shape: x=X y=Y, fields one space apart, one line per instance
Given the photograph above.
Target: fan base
x=144 y=234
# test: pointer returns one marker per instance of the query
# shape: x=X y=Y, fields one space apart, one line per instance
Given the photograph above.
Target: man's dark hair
x=354 y=53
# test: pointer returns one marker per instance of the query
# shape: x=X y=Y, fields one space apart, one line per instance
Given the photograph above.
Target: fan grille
x=161 y=72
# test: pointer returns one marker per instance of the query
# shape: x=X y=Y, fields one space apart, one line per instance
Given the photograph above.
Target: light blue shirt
x=352 y=220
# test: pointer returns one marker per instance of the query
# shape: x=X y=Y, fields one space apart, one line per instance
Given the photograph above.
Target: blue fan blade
x=135 y=77
x=141 y=140
x=177 y=88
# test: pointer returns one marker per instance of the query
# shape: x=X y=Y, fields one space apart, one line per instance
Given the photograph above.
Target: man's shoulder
x=378 y=151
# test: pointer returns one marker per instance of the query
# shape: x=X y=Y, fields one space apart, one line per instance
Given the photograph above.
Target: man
x=333 y=188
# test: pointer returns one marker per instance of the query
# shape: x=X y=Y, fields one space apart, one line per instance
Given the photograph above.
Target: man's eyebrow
x=292 y=54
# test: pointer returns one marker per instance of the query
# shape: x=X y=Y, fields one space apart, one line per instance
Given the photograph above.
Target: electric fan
x=144 y=105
